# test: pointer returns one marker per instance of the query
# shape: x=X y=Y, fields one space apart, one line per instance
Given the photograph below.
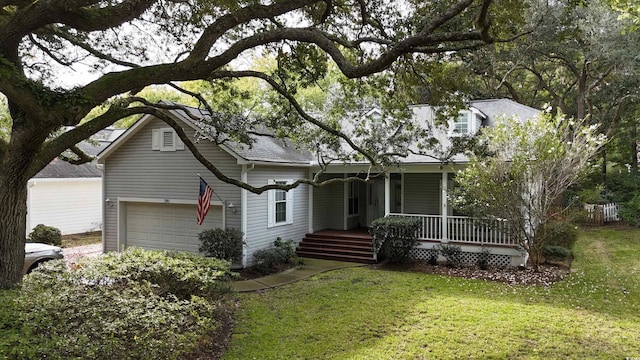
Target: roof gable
x=265 y=149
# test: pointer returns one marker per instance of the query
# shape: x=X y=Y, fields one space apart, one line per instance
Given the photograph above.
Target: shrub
x=557 y=253
x=268 y=261
x=630 y=211
x=119 y=307
x=179 y=274
x=483 y=258
x=559 y=233
x=398 y=235
x=222 y=244
x=46 y=234
x=451 y=252
x=433 y=258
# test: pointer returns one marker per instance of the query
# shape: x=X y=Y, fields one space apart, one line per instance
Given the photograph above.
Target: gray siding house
x=150 y=190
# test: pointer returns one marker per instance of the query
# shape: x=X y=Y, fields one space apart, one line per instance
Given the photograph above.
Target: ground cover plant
x=364 y=313
x=129 y=305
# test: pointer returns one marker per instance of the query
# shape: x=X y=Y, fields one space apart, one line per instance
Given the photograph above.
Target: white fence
x=462 y=229
x=600 y=214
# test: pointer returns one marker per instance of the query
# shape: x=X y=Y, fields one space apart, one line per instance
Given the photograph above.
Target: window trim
x=272 y=201
x=456 y=121
x=355 y=187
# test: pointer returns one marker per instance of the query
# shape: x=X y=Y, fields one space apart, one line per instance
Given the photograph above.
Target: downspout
x=104 y=207
x=243 y=212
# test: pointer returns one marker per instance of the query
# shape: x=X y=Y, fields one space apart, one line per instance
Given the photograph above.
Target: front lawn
x=362 y=313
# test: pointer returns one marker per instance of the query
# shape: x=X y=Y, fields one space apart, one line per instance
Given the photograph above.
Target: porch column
x=387 y=194
x=443 y=208
x=310 y=222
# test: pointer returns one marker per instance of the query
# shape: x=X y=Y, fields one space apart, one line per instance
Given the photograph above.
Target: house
x=151 y=189
x=67 y=196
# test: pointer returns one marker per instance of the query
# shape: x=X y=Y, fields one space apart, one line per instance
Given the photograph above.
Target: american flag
x=203 y=200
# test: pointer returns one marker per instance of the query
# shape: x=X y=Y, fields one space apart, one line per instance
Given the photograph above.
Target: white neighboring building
x=69 y=197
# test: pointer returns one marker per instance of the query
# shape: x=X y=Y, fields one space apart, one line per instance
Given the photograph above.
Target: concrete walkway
x=311 y=267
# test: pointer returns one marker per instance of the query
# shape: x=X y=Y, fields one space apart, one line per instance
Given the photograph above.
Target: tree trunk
x=13 y=214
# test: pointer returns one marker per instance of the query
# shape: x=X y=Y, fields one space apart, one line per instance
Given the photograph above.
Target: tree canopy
x=131 y=44
x=522 y=172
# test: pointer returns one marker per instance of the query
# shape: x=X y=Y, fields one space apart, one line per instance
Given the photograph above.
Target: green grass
x=361 y=313
x=81 y=239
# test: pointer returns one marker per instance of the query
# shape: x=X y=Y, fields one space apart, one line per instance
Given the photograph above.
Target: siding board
x=134 y=170
x=259 y=236
x=72 y=205
x=422 y=193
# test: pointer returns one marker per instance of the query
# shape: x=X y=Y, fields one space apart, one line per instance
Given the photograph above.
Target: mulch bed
x=546 y=275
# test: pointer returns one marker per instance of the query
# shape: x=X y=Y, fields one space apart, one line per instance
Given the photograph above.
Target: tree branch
x=154 y=110
x=82 y=156
x=283 y=92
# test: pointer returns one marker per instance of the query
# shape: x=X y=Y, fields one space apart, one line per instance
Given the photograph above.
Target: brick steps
x=342 y=246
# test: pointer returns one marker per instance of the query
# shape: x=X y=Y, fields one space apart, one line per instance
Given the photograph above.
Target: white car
x=37 y=253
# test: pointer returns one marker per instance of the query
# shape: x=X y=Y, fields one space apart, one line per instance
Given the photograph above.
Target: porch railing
x=462 y=229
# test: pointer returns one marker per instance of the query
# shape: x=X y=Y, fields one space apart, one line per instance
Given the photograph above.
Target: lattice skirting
x=467 y=257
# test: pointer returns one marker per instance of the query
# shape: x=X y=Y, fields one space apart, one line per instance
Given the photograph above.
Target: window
x=353 y=198
x=165 y=139
x=280 y=202
x=462 y=124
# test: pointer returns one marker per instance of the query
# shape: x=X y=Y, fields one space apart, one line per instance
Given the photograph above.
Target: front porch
x=420 y=193
x=471 y=234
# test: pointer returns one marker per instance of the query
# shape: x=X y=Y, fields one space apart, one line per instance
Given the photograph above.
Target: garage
x=167 y=226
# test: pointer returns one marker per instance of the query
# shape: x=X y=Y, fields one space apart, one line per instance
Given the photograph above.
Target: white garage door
x=167 y=226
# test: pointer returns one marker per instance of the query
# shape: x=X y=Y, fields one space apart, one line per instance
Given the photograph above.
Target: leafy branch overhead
x=140 y=43
x=47 y=48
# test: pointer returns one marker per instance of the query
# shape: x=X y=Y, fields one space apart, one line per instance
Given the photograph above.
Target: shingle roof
x=268 y=149
x=59 y=169
x=495 y=108
x=263 y=149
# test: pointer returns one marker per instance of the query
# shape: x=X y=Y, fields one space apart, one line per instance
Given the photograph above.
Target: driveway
x=73 y=254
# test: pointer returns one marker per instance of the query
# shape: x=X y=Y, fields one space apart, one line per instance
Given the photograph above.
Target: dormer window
x=468 y=122
x=463 y=123
x=375 y=115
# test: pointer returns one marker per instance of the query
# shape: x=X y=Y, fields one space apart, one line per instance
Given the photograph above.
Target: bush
x=396 y=236
x=222 y=244
x=559 y=233
x=483 y=258
x=120 y=306
x=630 y=211
x=622 y=187
x=179 y=274
x=46 y=234
x=453 y=253
x=556 y=253
x=269 y=261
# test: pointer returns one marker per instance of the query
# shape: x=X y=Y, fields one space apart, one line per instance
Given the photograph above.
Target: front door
x=375 y=200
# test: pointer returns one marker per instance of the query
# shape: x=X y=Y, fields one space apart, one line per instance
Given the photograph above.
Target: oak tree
x=131 y=44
